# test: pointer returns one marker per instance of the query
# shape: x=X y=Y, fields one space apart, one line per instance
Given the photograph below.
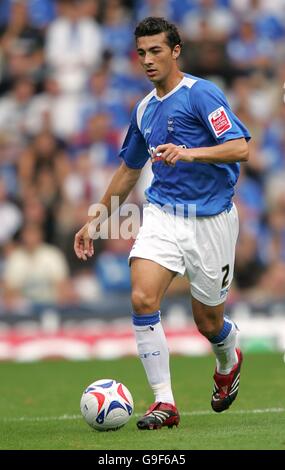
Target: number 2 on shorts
x=226 y=270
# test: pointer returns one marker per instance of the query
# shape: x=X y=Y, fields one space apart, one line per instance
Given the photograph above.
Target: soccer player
x=195 y=143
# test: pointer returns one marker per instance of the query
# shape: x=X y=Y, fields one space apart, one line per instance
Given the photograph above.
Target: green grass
x=49 y=390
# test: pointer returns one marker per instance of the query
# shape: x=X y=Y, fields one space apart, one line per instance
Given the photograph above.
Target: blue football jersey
x=194 y=114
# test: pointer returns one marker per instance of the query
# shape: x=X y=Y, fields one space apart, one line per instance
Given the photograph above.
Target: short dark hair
x=154 y=25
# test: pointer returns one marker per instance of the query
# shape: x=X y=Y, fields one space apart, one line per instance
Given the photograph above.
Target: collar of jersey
x=162 y=98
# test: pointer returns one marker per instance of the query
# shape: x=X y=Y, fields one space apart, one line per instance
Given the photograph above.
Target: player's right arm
x=134 y=155
x=121 y=185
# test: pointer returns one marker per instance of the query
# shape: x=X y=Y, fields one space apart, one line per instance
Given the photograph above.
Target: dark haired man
x=186 y=127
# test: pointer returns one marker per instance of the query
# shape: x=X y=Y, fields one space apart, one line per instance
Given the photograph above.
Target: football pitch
x=39 y=406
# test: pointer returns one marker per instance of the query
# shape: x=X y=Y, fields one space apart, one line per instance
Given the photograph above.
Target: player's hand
x=171 y=153
x=83 y=244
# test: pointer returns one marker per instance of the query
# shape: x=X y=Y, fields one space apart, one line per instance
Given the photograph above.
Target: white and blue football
x=106 y=405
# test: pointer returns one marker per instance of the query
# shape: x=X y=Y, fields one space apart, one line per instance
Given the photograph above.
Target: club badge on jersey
x=170 y=124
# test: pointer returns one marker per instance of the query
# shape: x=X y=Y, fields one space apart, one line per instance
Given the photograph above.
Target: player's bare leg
x=150 y=281
x=149 y=284
x=222 y=333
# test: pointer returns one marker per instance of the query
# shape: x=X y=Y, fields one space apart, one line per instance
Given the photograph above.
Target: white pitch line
x=41 y=418
x=136 y=415
x=234 y=412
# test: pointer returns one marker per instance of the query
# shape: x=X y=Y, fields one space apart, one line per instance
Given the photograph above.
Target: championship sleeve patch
x=220 y=121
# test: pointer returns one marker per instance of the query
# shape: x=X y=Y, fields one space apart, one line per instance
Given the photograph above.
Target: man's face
x=156 y=57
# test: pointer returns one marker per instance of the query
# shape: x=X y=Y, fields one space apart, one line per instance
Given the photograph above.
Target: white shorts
x=203 y=248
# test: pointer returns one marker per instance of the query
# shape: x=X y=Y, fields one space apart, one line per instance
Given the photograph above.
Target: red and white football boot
x=226 y=386
x=159 y=415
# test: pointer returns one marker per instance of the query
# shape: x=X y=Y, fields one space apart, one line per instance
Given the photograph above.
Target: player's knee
x=209 y=328
x=143 y=302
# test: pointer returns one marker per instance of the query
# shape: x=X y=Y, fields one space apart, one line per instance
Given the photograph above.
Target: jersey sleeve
x=213 y=110
x=134 y=150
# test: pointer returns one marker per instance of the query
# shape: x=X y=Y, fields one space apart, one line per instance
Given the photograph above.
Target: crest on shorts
x=224 y=292
x=170 y=124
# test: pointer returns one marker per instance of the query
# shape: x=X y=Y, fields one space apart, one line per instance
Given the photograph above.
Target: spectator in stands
x=88 y=8
x=14 y=108
x=34 y=270
x=10 y=216
x=117 y=29
x=35 y=213
x=248 y=266
x=273 y=141
x=18 y=29
x=208 y=20
x=86 y=180
x=272 y=237
x=54 y=110
x=74 y=46
x=4 y=12
x=267 y=15
x=99 y=142
x=103 y=96
x=22 y=45
x=249 y=52
x=249 y=199
x=43 y=153
x=131 y=83
x=153 y=8
x=41 y=12
x=270 y=288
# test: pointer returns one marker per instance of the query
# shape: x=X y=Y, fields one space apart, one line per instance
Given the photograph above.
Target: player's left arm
x=231 y=151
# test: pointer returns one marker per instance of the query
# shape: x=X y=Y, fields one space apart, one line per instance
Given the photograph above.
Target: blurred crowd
x=69 y=78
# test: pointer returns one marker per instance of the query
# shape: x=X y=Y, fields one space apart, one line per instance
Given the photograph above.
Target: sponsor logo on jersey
x=151 y=151
x=220 y=121
x=158 y=157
